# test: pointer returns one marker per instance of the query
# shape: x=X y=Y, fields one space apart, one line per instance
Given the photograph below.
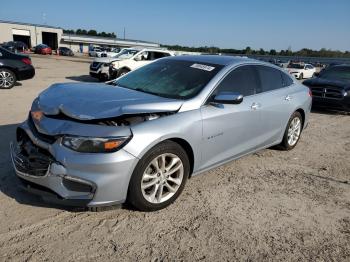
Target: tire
x=301 y=76
x=288 y=142
x=151 y=191
x=122 y=72
x=102 y=78
x=7 y=78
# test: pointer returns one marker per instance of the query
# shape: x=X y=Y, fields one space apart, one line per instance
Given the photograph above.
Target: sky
x=267 y=24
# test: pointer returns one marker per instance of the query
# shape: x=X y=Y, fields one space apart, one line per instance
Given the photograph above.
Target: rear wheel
x=7 y=78
x=159 y=177
x=293 y=131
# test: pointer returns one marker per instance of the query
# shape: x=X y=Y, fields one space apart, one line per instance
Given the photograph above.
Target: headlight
x=94 y=144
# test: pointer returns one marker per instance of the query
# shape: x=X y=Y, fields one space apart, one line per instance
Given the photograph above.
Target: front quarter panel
x=185 y=125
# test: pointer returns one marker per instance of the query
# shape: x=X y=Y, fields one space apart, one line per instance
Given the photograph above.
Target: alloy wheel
x=6 y=79
x=162 y=178
x=294 y=131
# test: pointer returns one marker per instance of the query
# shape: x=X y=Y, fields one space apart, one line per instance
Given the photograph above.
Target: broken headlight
x=94 y=144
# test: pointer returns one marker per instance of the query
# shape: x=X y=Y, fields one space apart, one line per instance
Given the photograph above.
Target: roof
x=213 y=59
x=28 y=24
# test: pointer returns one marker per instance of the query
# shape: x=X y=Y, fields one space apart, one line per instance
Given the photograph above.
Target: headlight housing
x=94 y=144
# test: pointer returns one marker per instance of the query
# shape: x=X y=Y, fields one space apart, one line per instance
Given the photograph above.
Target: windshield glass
x=337 y=72
x=170 y=78
x=296 y=66
x=127 y=53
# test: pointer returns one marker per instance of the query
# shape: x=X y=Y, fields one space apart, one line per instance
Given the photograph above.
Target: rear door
x=231 y=130
x=275 y=99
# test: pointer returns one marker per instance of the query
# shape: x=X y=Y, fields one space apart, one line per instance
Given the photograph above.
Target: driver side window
x=242 y=80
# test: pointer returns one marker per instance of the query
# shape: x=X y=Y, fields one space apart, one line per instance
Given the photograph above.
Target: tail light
x=310 y=92
x=27 y=61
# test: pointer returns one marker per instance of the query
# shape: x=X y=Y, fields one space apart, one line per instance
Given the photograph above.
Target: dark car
x=42 y=49
x=15 y=46
x=14 y=67
x=331 y=88
x=65 y=51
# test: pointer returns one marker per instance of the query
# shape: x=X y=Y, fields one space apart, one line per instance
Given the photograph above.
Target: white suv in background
x=301 y=71
x=132 y=58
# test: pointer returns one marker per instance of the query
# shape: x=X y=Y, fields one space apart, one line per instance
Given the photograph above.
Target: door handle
x=255 y=106
x=288 y=98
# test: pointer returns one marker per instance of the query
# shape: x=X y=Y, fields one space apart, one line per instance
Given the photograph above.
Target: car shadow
x=83 y=78
x=9 y=183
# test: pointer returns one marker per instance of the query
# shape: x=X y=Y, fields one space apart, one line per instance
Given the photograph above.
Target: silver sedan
x=140 y=138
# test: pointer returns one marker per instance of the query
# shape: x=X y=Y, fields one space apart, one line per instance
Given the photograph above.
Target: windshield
x=170 y=78
x=127 y=53
x=337 y=72
x=296 y=66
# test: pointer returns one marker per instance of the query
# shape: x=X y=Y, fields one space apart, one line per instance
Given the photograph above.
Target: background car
x=14 y=67
x=131 y=58
x=331 y=88
x=65 y=51
x=15 y=46
x=300 y=70
x=42 y=50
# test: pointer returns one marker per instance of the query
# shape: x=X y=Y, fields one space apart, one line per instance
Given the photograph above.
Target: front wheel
x=7 y=78
x=122 y=72
x=159 y=177
x=293 y=131
x=301 y=76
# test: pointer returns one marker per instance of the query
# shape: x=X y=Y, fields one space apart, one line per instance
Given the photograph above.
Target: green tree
x=273 y=52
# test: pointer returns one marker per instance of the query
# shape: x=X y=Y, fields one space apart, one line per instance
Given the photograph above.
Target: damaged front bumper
x=63 y=176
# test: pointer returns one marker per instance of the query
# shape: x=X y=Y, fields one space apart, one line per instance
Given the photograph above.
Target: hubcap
x=162 y=178
x=6 y=79
x=294 y=131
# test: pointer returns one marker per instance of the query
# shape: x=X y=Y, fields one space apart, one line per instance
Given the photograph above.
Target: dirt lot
x=272 y=205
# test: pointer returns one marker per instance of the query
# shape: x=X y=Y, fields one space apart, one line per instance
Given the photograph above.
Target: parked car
x=301 y=71
x=96 y=52
x=99 y=68
x=15 y=46
x=331 y=88
x=131 y=58
x=42 y=50
x=65 y=51
x=140 y=138
x=14 y=67
x=110 y=52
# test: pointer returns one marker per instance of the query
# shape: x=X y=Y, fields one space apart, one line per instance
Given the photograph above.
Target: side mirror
x=228 y=98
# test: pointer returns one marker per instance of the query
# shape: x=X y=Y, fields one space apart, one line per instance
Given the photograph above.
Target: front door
x=231 y=130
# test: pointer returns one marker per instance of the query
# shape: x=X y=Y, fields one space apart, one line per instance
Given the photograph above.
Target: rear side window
x=157 y=55
x=270 y=78
x=242 y=80
x=286 y=79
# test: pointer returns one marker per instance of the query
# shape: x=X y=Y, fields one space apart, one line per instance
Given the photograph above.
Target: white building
x=34 y=34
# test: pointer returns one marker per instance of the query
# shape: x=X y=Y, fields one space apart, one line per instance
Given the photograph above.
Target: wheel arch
x=188 y=149
x=302 y=112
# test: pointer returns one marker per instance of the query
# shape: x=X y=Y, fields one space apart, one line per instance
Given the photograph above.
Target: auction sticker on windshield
x=203 y=67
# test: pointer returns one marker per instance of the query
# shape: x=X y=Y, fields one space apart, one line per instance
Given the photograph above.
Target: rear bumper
x=26 y=72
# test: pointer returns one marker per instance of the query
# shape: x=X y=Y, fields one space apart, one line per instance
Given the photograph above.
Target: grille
x=30 y=159
x=327 y=92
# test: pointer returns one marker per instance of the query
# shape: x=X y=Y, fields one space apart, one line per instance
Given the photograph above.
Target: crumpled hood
x=100 y=101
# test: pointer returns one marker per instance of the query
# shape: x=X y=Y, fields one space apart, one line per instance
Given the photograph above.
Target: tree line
x=89 y=32
x=249 y=51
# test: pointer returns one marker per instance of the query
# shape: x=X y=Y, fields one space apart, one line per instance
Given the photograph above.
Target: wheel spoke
x=174 y=169
x=160 y=193
x=176 y=181
x=149 y=184
x=170 y=188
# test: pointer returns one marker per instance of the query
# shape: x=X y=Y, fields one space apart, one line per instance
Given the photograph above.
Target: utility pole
x=124 y=33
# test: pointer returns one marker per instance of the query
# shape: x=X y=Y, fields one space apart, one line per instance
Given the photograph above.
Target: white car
x=301 y=71
x=131 y=58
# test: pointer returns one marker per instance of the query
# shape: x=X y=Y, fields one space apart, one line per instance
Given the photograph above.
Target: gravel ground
x=271 y=205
